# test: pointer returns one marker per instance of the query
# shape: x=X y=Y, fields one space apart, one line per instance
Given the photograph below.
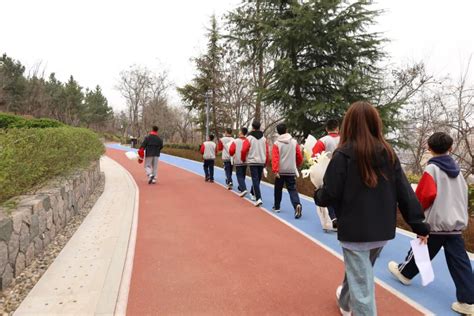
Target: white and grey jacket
x=258 y=151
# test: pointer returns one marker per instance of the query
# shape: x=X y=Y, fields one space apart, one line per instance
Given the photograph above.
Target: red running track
x=203 y=250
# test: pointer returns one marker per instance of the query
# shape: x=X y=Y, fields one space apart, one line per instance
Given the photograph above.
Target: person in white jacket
x=224 y=146
x=209 y=151
x=257 y=159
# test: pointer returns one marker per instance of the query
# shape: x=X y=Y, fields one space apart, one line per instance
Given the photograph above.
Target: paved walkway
x=201 y=249
x=87 y=276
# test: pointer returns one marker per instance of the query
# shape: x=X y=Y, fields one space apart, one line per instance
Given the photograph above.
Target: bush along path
x=202 y=249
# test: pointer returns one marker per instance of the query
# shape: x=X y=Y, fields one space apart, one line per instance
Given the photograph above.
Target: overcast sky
x=95 y=39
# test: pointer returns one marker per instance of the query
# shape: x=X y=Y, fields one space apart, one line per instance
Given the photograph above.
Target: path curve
x=202 y=250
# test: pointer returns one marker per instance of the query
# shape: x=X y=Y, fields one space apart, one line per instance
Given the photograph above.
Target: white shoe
x=338 y=295
x=252 y=197
x=463 y=308
x=276 y=210
x=243 y=193
x=393 y=268
x=153 y=181
x=258 y=202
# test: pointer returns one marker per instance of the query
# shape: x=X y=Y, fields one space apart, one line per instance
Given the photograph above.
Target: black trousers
x=458 y=262
x=228 y=171
x=290 y=182
x=209 y=169
x=240 y=172
x=256 y=174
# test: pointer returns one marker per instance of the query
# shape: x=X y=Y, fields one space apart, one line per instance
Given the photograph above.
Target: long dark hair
x=363 y=129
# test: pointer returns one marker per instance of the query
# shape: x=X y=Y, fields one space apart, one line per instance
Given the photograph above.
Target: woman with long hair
x=365 y=184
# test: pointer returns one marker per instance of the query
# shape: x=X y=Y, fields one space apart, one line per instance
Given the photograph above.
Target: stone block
x=34 y=227
x=13 y=247
x=42 y=218
x=20 y=264
x=6 y=227
x=30 y=254
x=7 y=277
x=3 y=256
x=38 y=246
x=24 y=237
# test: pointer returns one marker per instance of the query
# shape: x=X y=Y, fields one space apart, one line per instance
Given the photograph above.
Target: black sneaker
x=276 y=210
x=206 y=179
x=212 y=180
x=298 y=210
x=334 y=224
x=150 y=180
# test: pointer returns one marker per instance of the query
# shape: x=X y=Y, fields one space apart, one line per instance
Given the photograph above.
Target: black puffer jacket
x=369 y=214
x=152 y=144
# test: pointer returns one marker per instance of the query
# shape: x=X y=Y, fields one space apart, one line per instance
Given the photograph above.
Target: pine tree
x=208 y=84
x=326 y=60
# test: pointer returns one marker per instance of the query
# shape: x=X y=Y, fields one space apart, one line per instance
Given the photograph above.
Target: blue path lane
x=436 y=297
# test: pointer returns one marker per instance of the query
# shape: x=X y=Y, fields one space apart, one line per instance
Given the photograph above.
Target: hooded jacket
x=224 y=146
x=369 y=214
x=239 y=150
x=286 y=155
x=151 y=146
x=258 y=151
x=442 y=192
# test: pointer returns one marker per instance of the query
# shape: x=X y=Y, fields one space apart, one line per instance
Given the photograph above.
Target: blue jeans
x=228 y=172
x=359 y=282
x=209 y=169
x=458 y=262
x=290 y=182
x=240 y=172
x=256 y=174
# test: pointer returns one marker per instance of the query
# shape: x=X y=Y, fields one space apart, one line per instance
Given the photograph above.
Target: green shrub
x=471 y=199
x=29 y=158
x=8 y=121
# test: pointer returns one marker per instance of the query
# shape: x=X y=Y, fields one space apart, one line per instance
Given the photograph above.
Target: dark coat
x=369 y=214
x=152 y=144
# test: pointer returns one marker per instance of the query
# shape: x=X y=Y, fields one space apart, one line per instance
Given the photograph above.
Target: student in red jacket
x=286 y=157
x=209 y=151
x=239 y=150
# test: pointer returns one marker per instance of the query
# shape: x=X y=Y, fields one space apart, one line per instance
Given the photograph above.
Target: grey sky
x=95 y=40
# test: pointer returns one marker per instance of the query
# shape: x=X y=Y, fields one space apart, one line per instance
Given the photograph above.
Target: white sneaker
x=258 y=202
x=243 y=193
x=252 y=197
x=276 y=210
x=153 y=181
x=393 y=268
x=338 y=295
x=463 y=308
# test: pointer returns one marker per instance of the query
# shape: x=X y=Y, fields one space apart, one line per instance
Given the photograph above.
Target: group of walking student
x=363 y=187
x=250 y=150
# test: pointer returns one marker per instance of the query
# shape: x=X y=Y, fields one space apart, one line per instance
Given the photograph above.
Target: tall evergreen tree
x=326 y=59
x=96 y=109
x=208 y=84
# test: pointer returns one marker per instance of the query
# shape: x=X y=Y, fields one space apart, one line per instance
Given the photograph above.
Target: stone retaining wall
x=36 y=219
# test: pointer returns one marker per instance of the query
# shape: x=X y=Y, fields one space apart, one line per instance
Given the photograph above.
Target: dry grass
x=306 y=187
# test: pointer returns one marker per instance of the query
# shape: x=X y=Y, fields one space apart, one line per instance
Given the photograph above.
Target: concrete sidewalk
x=91 y=275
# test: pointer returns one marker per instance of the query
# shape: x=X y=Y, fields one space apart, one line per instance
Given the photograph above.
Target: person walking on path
x=286 y=158
x=442 y=192
x=365 y=183
x=209 y=151
x=257 y=159
x=329 y=143
x=224 y=146
x=239 y=150
x=149 y=151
